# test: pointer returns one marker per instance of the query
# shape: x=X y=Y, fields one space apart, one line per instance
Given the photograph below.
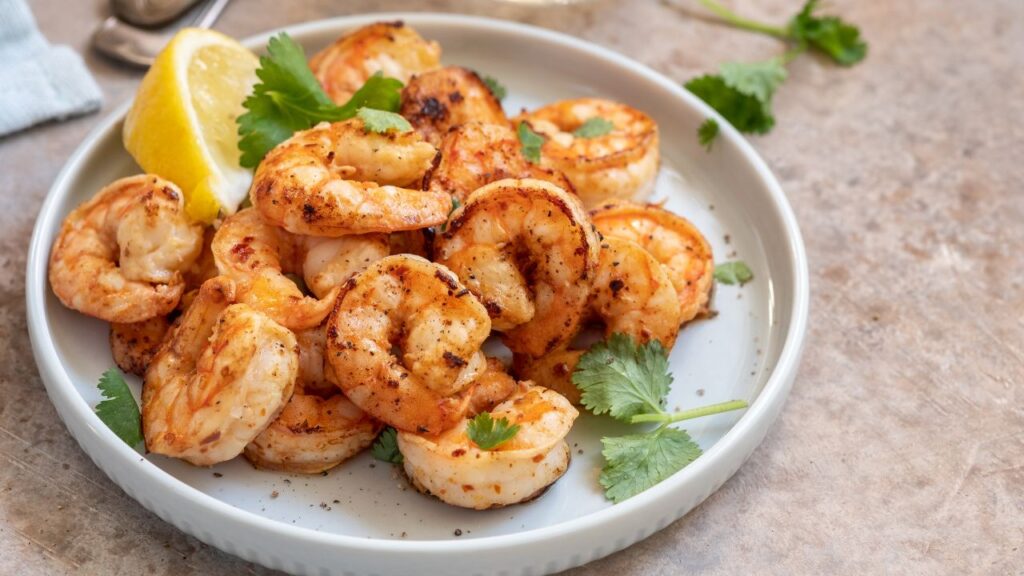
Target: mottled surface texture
x=901 y=450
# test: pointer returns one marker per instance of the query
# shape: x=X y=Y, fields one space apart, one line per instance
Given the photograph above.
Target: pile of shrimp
x=359 y=288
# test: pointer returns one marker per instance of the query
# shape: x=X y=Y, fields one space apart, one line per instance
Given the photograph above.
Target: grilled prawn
x=338 y=179
x=391 y=48
x=621 y=163
x=404 y=343
x=120 y=255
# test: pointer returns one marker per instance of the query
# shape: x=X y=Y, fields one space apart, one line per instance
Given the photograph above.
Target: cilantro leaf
x=736 y=272
x=496 y=88
x=488 y=433
x=385 y=447
x=829 y=34
x=380 y=121
x=593 y=128
x=636 y=462
x=530 y=142
x=742 y=93
x=288 y=98
x=623 y=379
x=707 y=133
x=745 y=112
x=630 y=382
x=379 y=92
x=757 y=79
x=119 y=411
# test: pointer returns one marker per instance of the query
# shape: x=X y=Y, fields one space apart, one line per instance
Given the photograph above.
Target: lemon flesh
x=182 y=123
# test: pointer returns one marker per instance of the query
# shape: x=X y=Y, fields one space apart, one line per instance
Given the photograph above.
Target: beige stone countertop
x=901 y=448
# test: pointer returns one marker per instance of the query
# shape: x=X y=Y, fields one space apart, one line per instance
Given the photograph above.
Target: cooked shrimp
x=527 y=251
x=319 y=427
x=120 y=256
x=329 y=262
x=438 y=100
x=222 y=376
x=256 y=255
x=315 y=376
x=632 y=294
x=553 y=370
x=454 y=469
x=620 y=164
x=475 y=153
x=490 y=388
x=418 y=308
x=313 y=434
x=338 y=179
x=392 y=48
x=134 y=344
x=673 y=241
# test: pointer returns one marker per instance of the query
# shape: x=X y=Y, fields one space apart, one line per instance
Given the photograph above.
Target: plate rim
x=63 y=394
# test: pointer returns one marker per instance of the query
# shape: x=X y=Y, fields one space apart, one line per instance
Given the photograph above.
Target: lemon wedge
x=182 y=123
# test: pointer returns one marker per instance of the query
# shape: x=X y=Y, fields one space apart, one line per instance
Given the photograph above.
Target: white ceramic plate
x=362 y=518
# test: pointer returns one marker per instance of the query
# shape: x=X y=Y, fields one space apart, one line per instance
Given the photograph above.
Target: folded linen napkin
x=38 y=82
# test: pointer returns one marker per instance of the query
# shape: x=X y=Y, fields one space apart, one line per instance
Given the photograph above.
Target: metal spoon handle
x=209 y=13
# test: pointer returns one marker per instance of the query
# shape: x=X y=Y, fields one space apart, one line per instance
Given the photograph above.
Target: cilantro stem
x=666 y=418
x=740 y=22
x=789 y=55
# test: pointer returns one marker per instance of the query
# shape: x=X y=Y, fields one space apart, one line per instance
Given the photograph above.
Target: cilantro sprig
x=829 y=35
x=288 y=98
x=742 y=92
x=707 y=133
x=593 y=128
x=118 y=410
x=488 y=433
x=496 y=87
x=639 y=461
x=385 y=447
x=629 y=382
x=382 y=121
x=621 y=379
x=530 y=142
x=735 y=272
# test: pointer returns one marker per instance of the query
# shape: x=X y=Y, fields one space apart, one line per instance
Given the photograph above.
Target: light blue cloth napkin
x=38 y=82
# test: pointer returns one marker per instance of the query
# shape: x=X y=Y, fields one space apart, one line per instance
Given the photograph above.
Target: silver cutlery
x=135 y=45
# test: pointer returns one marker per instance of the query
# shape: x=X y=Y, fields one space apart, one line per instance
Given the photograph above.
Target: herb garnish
x=629 y=382
x=118 y=410
x=385 y=447
x=488 y=433
x=742 y=92
x=736 y=272
x=530 y=142
x=496 y=88
x=288 y=98
x=593 y=128
x=381 y=121
x=707 y=133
